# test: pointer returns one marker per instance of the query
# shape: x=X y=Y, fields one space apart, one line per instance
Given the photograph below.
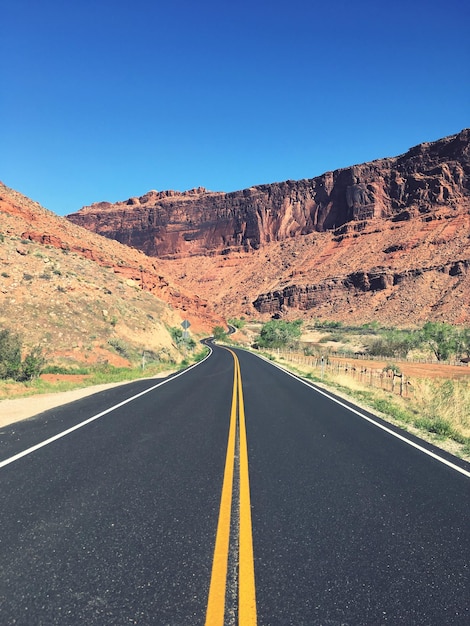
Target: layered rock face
x=387 y=240
x=26 y=220
x=171 y=224
x=307 y=297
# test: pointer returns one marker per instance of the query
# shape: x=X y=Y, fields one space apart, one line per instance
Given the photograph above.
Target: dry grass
x=438 y=410
x=444 y=404
x=77 y=310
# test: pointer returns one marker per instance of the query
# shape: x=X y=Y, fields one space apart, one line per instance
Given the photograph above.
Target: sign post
x=185 y=324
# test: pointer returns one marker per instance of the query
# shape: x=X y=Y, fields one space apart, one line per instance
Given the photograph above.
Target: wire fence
x=388 y=379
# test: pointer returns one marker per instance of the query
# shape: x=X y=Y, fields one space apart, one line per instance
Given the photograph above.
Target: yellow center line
x=216 y=601
x=246 y=573
x=246 y=567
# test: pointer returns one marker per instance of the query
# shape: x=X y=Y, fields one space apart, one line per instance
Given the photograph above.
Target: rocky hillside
x=81 y=295
x=386 y=241
x=171 y=224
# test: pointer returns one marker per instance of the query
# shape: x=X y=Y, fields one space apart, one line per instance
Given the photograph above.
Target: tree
x=441 y=338
x=11 y=365
x=10 y=354
x=279 y=334
x=463 y=342
x=219 y=332
x=393 y=343
x=32 y=364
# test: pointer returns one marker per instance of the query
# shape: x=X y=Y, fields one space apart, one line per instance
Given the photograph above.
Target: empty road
x=232 y=493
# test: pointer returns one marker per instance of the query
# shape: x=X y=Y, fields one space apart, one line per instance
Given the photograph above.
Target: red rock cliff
x=172 y=224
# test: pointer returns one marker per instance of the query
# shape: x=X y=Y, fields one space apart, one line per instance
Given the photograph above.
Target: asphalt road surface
x=233 y=493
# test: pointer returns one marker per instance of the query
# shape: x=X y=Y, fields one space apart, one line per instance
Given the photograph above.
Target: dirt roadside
x=17 y=409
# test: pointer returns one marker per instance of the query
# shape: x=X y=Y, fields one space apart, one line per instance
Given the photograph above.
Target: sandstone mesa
x=387 y=240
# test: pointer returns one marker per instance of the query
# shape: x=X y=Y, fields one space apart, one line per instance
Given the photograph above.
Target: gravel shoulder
x=18 y=409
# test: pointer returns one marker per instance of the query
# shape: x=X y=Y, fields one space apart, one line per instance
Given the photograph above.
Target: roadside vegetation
x=219 y=333
x=26 y=373
x=434 y=341
x=13 y=363
x=280 y=334
x=435 y=408
x=237 y=322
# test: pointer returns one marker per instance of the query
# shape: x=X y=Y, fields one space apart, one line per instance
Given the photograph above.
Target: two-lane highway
x=350 y=525
x=231 y=494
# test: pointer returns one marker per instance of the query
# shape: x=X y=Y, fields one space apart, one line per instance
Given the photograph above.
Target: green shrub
x=32 y=365
x=200 y=355
x=219 y=332
x=121 y=348
x=10 y=354
x=327 y=324
x=238 y=323
x=279 y=334
x=176 y=334
x=62 y=369
x=438 y=426
x=11 y=364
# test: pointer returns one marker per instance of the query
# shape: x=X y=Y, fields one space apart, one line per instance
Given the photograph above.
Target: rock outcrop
x=27 y=221
x=305 y=297
x=171 y=224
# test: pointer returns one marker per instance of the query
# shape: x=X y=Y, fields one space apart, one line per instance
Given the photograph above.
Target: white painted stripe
x=369 y=419
x=64 y=433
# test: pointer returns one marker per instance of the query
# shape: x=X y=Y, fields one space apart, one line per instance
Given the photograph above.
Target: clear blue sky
x=107 y=99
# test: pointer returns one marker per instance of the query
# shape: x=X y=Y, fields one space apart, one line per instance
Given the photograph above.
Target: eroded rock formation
x=171 y=224
x=305 y=297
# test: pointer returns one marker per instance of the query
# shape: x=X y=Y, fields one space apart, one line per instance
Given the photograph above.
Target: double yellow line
x=246 y=571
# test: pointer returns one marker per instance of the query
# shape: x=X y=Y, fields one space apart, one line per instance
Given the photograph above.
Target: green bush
x=11 y=363
x=62 y=369
x=219 y=332
x=279 y=334
x=120 y=346
x=200 y=355
x=10 y=355
x=327 y=324
x=393 y=343
x=176 y=334
x=32 y=365
x=437 y=425
x=441 y=338
x=238 y=323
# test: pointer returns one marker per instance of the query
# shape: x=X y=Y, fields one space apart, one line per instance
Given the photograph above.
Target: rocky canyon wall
x=171 y=224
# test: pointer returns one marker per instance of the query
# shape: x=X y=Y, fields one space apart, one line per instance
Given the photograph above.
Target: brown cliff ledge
x=305 y=297
x=171 y=224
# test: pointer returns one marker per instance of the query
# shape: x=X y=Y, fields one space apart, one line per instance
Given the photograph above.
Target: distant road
x=165 y=501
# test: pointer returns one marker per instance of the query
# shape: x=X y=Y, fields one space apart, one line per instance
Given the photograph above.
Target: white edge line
x=46 y=442
x=369 y=419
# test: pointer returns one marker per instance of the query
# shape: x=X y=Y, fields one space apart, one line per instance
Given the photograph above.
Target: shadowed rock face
x=305 y=297
x=171 y=224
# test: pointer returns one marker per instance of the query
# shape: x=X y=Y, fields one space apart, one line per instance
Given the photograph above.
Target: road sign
x=185 y=324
